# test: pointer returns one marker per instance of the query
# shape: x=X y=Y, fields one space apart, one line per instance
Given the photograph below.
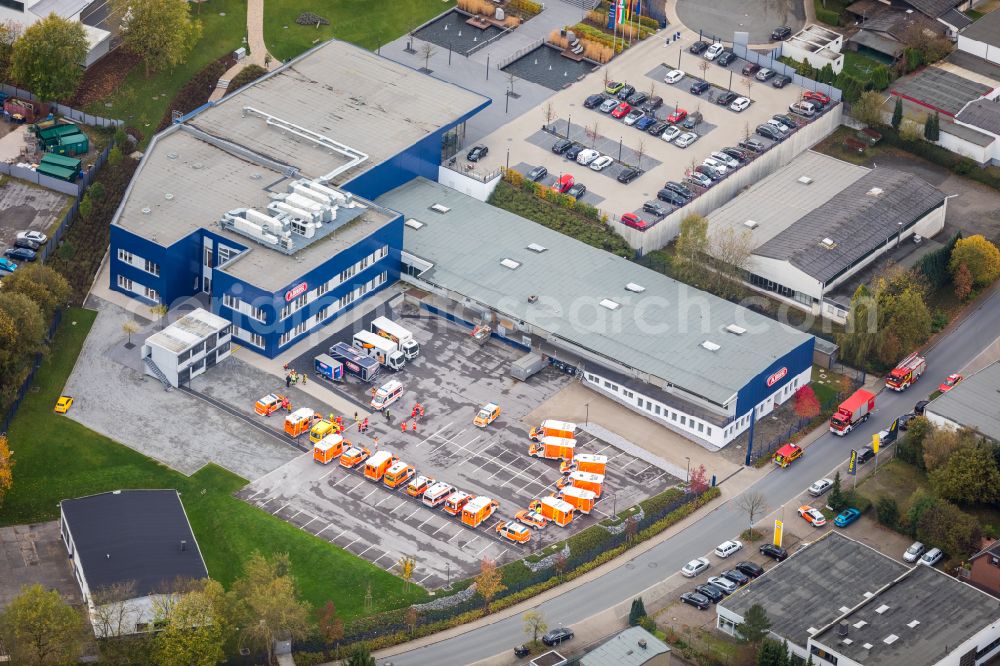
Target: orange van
x=398 y=474
x=591 y=462
x=269 y=404
x=299 y=421
x=456 y=502
x=477 y=510
x=587 y=481
x=513 y=531
x=582 y=500
x=377 y=465
x=418 y=486
x=354 y=456
x=329 y=448
x=558 y=511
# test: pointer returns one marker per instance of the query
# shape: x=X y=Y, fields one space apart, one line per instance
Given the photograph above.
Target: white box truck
x=382 y=349
x=402 y=337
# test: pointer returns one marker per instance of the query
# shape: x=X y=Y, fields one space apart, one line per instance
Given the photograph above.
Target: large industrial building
x=974 y=403
x=817 y=221
x=258 y=205
x=695 y=363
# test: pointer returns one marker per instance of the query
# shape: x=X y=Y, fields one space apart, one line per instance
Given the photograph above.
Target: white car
x=609 y=105
x=601 y=162
x=685 y=140
x=714 y=51
x=778 y=125
x=633 y=116
x=813 y=516
x=739 y=104
x=671 y=133
x=673 y=76
x=727 y=548
x=914 y=552
x=695 y=567
x=932 y=557
x=36 y=236
x=587 y=156
x=728 y=160
x=724 y=584
x=715 y=164
x=820 y=487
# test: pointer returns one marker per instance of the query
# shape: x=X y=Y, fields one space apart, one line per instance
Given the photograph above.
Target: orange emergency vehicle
x=553 y=428
x=354 y=456
x=377 y=464
x=456 y=502
x=558 y=511
x=515 y=532
x=329 y=448
x=582 y=500
x=477 y=510
x=418 y=486
x=553 y=448
x=269 y=404
x=591 y=462
x=299 y=421
x=398 y=474
x=437 y=494
x=587 y=481
x=787 y=454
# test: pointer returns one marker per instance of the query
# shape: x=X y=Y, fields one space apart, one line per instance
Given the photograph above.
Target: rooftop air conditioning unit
x=805 y=180
x=751 y=224
x=828 y=243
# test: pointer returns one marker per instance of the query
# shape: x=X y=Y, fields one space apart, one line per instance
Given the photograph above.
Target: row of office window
x=235 y=303
x=324 y=313
x=142 y=264
x=677 y=418
x=137 y=288
x=344 y=276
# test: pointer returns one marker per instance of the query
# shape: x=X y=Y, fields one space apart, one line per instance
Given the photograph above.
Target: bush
x=942 y=157
x=887 y=512
x=525 y=7
x=248 y=74
x=647 y=623
x=827 y=16
x=196 y=92
x=857 y=500
x=934 y=265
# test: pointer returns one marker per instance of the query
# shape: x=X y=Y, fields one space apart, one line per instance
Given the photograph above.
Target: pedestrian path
x=255 y=42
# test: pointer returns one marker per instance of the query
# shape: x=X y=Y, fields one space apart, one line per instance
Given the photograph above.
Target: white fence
x=60 y=109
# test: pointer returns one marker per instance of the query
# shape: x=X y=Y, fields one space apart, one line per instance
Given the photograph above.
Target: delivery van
x=437 y=494
x=329 y=448
x=477 y=510
x=377 y=464
x=582 y=500
x=590 y=462
x=587 y=481
x=558 y=511
x=387 y=394
x=398 y=474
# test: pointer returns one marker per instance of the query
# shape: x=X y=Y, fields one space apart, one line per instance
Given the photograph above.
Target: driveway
x=757 y=17
x=35 y=555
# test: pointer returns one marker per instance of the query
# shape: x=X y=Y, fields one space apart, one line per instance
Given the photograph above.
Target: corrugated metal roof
x=933 y=8
x=974 y=402
x=624 y=649
x=857 y=220
x=940 y=89
x=982 y=113
x=986 y=29
x=658 y=331
x=956 y=19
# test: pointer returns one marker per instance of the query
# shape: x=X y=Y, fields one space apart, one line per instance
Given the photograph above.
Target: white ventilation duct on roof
x=711 y=346
x=637 y=288
x=610 y=304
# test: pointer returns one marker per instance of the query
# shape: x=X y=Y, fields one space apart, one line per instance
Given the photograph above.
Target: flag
x=621 y=12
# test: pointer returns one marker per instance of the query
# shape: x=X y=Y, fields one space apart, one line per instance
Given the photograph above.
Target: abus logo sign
x=777 y=377
x=295 y=291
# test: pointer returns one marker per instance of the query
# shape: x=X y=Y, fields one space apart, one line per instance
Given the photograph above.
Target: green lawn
x=142 y=102
x=360 y=22
x=860 y=66
x=57 y=458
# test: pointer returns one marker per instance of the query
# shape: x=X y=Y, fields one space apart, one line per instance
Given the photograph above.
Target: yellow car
x=487 y=415
x=65 y=402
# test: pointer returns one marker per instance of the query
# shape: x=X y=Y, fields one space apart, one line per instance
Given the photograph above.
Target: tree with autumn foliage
x=806 y=402
x=698 y=480
x=980 y=257
x=963 y=282
x=489 y=582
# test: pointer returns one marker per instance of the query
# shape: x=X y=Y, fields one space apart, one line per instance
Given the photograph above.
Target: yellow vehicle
x=321 y=430
x=488 y=413
x=398 y=474
x=63 y=404
x=515 y=532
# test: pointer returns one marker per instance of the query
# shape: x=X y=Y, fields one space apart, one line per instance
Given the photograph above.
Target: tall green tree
x=837 y=501
x=932 y=127
x=40 y=628
x=196 y=629
x=755 y=625
x=861 y=332
x=868 y=108
x=10 y=30
x=772 y=653
x=43 y=285
x=161 y=33
x=907 y=324
x=949 y=528
x=266 y=603
x=969 y=477
x=897 y=113
x=637 y=612
x=46 y=59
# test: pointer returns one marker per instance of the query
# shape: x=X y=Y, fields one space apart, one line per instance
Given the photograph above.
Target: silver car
x=695 y=567
x=821 y=487
x=671 y=133
x=724 y=584
x=914 y=552
x=609 y=105
x=685 y=140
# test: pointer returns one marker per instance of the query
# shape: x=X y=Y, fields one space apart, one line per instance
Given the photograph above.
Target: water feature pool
x=452 y=31
x=547 y=67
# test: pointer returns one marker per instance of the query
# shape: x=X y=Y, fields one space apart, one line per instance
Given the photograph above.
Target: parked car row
x=26 y=246
x=716 y=588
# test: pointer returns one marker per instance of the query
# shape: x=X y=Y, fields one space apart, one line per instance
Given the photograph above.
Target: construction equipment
x=377 y=464
x=269 y=404
x=398 y=474
x=400 y=336
x=418 y=486
x=387 y=394
x=382 y=349
x=437 y=494
x=583 y=500
x=354 y=456
x=787 y=454
x=329 y=448
x=300 y=421
x=907 y=372
x=553 y=448
x=591 y=462
x=558 y=511
x=321 y=429
x=455 y=502
x=487 y=414
x=553 y=428
x=515 y=532
x=328 y=368
x=360 y=365
x=477 y=510
x=852 y=411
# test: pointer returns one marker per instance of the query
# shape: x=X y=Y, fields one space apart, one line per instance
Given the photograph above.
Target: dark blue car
x=645 y=122
x=698 y=87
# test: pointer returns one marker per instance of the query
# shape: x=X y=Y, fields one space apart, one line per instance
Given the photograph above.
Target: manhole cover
x=630 y=566
x=652 y=565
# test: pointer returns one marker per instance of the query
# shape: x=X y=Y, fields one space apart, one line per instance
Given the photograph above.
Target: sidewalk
x=255 y=43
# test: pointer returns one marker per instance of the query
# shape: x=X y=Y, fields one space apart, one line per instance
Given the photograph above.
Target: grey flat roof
x=343 y=92
x=933 y=8
x=976 y=65
x=188 y=331
x=858 y=220
x=623 y=649
x=926 y=614
x=777 y=201
x=133 y=535
x=940 y=89
x=657 y=332
x=970 y=134
x=64 y=8
x=983 y=114
x=956 y=19
x=974 y=402
x=809 y=589
x=204 y=180
x=986 y=29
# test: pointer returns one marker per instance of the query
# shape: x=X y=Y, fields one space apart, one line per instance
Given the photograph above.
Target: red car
x=634 y=221
x=950 y=383
x=677 y=116
x=621 y=110
x=816 y=97
x=564 y=183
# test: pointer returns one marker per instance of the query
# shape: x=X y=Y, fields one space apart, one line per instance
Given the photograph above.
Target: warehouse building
x=818 y=221
x=973 y=403
x=697 y=364
x=259 y=205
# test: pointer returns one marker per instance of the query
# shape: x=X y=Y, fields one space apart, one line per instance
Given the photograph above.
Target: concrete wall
x=474 y=187
x=979 y=49
x=958 y=145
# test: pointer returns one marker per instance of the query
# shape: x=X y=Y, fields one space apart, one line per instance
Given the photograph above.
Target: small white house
x=28 y=12
x=982 y=38
x=187 y=348
x=816 y=45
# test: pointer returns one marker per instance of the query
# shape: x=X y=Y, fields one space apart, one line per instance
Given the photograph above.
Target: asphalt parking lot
x=451 y=378
x=24 y=206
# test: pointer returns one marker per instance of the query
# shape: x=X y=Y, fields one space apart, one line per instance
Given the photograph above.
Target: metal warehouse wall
x=756 y=391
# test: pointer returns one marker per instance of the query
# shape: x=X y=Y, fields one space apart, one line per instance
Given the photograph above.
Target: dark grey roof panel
x=974 y=402
x=956 y=19
x=986 y=29
x=984 y=114
x=940 y=89
x=933 y=8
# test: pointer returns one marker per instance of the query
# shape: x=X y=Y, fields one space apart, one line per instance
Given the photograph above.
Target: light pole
x=587 y=418
x=899 y=233
x=569 y=120
x=619 y=149
x=687 y=475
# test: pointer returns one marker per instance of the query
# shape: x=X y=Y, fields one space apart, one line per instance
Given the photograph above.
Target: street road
x=950 y=354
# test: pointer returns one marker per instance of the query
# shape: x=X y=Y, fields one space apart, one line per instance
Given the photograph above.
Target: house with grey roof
x=982 y=38
x=632 y=647
x=816 y=222
x=973 y=403
x=983 y=115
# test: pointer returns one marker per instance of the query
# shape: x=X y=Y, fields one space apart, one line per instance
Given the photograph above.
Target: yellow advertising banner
x=875 y=443
x=778 y=525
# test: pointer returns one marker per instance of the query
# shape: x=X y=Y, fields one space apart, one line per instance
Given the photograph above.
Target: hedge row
x=827 y=16
x=963 y=166
x=197 y=91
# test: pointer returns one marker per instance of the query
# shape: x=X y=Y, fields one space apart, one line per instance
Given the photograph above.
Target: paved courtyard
x=35 y=555
x=25 y=206
x=757 y=17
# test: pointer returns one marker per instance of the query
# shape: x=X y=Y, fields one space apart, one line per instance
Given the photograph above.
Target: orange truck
x=477 y=510
x=299 y=421
x=553 y=448
x=398 y=474
x=354 y=456
x=377 y=465
x=456 y=502
x=269 y=404
x=591 y=462
x=553 y=428
x=587 y=481
x=329 y=448
x=558 y=511
x=907 y=372
x=582 y=500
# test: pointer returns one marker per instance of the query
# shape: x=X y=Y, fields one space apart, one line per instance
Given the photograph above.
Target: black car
x=904 y=420
x=537 y=173
x=712 y=592
x=626 y=92
x=776 y=553
x=753 y=145
x=477 y=153
x=658 y=128
x=671 y=197
x=780 y=81
x=557 y=636
x=726 y=98
x=573 y=151
x=21 y=253
x=696 y=599
x=737 y=154
x=652 y=104
x=865 y=454
x=27 y=244
x=918 y=408
x=577 y=191
x=725 y=58
x=628 y=175
x=593 y=101
x=784 y=32
x=561 y=146
x=768 y=132
x=750 y=69
x=698 y=47
x=656 y=208
x=750 y=569
x=785 y=120
x=680 y=189
x=736 y=576
x=637 y=99
x=522 y=651
x=711 y=172
x=698 y=87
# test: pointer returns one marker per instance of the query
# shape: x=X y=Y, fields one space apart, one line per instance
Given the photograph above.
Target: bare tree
x=703 y=66
x=427 y=50
x=652 y=88
x=607 y=77
x=593 y=133
x=731 y=251
x=753 y=504
x=534 y=625
x=748 y=84
x=640 y=150
x=115 y=613
x=550 y=112
x=746 y=131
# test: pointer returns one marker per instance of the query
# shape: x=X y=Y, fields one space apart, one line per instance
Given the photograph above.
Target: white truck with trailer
x=401 y=336
x=382 y=349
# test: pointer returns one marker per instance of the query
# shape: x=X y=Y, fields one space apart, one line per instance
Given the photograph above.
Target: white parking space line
x=426 y=521
x=340 y=535
x=488 y=546
x=464 y=447
x=401 y=505
x=655 y=478
x=524 y=472
x=504 y=552
x=282 y=507
x=420 y=582
x=455 y=535
x=415 y=513
x=369 y=494
x=340 y=480
x=641 y=471
x=606 y=515
x=602 y=450
x=488 y=459
x=502 y=469
x=259 y=492
x=329 y=525
x=361 y=483
x=493 y=526
x=446 y=524
x=583 y=444
x=383 y=499
x=327 y=474
x=429 y=437
x=303 y=526
x=380 y=557
x=267 y=501
x=365 y=550
x=535 y=481
x=289 y=519
x=474 y=541
x=350 y=544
